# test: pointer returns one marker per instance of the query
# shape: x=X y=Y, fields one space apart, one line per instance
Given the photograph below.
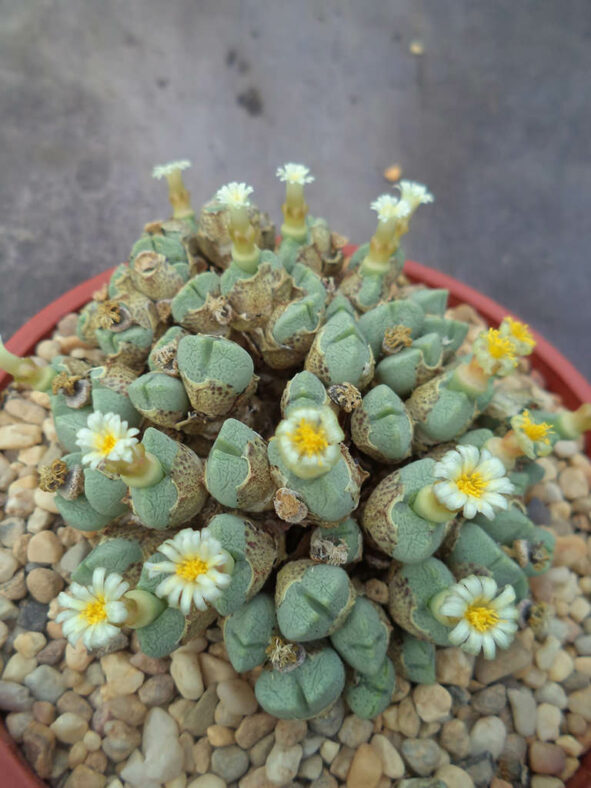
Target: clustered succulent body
x=275 y=425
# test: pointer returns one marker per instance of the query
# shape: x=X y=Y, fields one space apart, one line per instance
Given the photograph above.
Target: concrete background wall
x=494 y=116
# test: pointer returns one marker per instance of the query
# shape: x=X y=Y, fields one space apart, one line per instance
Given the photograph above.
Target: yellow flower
x=197 y=570
x=473 y=481
x=519 y=334
x=480 y=621
x=533 y=437
x=94 y=613
x=309 y=441
x=494 y=353
x=106 y=437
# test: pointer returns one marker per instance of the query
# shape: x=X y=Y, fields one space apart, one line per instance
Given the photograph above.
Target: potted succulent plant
x=269 y=420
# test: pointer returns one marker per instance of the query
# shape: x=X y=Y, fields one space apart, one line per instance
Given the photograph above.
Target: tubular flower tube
x=392 y=216
x=197 y=571
x=295 y=210
x=234 y=196
x=473 y=481
x=480 y=621
x=309 y=441
x=24 y=370
x=94 y=613
x=178 y=195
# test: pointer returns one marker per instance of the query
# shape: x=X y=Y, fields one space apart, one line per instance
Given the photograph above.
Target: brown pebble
x=127 y=708
x=97 y=761
x=44 y=712
x=546 y=758
x=19 y=436
x=44 y=584
x=83 y=777
x=253 y=728
x=157 y=690
x=53 y=651
x=220 y=735
x=290 y=732
x=39 y=746
x=202 y=755
x=45 y=548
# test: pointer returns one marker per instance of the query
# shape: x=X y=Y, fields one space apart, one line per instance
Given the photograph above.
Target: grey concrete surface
x=494 y=116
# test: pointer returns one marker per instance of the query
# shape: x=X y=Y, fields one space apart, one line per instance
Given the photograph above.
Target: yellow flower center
x=520 y=331
x=309 y=439
x=499 y=346
x=190 y=568
x=472 y=484
x=95 y=611
x=481 y=618
x=105 y=443
x=535 y=432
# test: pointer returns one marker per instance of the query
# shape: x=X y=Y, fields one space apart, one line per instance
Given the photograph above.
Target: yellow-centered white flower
x=164 y=170
x=309 y=441
x=197 y=571
x=387 y=207
x=414 y=194
x=234 y=195
x=106 y=437
x=93 y=613
x=481 y=622
x=294 y=173
x=473 y=481
x=532 y=436
x=520 y=335
x=495 y=354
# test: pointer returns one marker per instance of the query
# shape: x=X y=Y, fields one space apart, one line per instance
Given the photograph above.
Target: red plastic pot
x=560 y=375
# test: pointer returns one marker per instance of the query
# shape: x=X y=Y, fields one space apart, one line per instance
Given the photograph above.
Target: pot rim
x=560 y=375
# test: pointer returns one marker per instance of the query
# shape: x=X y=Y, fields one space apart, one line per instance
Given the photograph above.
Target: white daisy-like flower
x=495 y=354
x=106 y=437
x=96 y=612
x=474 y=481
x=234 y=195
x=414 y=194
x=197 y=571
x=481 y=622
x=164 y=170
x=533 y=437
x=309 y=441
x=294 y=173
x=387 y=207
x=520 y=335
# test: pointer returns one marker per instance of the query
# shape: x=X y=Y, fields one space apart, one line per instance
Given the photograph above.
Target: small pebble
x=548 y=722
x=186 y=672
x=392 y=763
x=524 y=710
x=44 y=584
x=366 y=768
x=283 y=763
x=488 y=735
x=422 y=755
x=46 y=683
x=45 y=548
x=69 y=728
x=355 y=731
x=454 y=777
x=237 y=696
x=546 y=758
x=290 y=732
x=432 y=702
x=29 y=644
x=230 y=763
